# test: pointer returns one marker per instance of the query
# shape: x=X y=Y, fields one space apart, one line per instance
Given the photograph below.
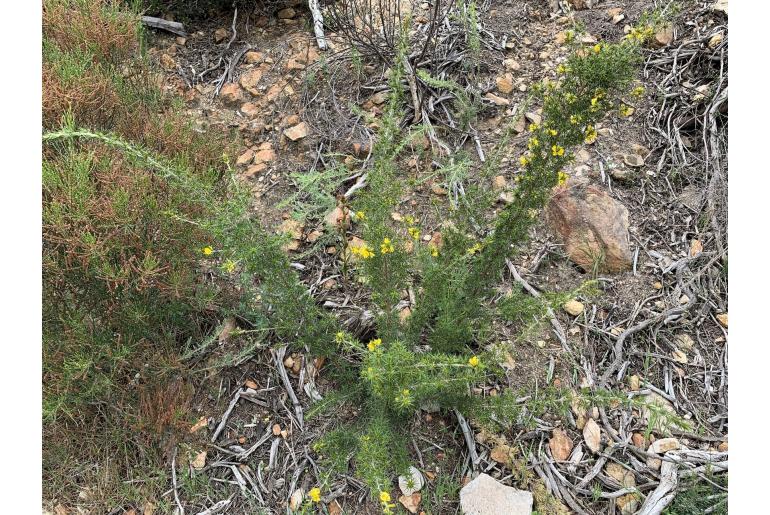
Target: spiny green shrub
x=440 y=352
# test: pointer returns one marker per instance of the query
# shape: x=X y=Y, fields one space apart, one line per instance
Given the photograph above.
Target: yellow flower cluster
x=364 y=251
x=315 y=494
x=597 y=48
x=638 y=91
x=524 y=160
x=229 y=266
x=386 y=247
x=562 y=178
x=207 y=251
x=561 y=69
x=640 y=34
x=387 y=506
x=339 y=337
x=473 y=361
x=414 y=232
x=625 y=110
x=533 y=143
x=434 y=251
x=557 y=150
x=372 y=345
x=476 y=247
x=590 y=134
x=360 y=215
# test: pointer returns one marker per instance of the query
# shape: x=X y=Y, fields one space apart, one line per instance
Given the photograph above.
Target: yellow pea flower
x=523 y=161
x=386 y=247
x=414 y=232
x=562 y=178
x=434 y=251
x=315 y=494
x=360 y=215
x=384 y=497
x=556 y=150
x=207 y=251
x=590 y=134
x=597 y=48
x=372 y=345
x=473 y=361
x=553 y=132
x=476 y=247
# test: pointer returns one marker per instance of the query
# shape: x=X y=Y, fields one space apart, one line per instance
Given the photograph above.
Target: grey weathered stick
x=557 y=328
x=278 y=357
x=223 y=423
x=466 y=429
x=170 y=26
x=173 y=482
x=662 y=496
x=318 y=23
x=216 y=508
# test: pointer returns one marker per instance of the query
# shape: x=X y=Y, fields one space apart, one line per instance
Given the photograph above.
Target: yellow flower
x=315 y=494
x=638 y=91
x=339 y=337
x=532 y=213
x=533 y=143
x=590 y=134
x=597 y=48
x=562 y=178
x=405 y=392
x=414 y=232
x=207 y=251
x=409 y=220
x=386 y=247
x=533 y=127
x=553 y=132
x=476 y=247
x=556 y=150
x=229 y=266
x=625 y=110
x=434 y=251
x=574 y=120
x=372 y=345
x=364 y=251
x=523 y=160
x=561 y=69
x=570 y=97
x=384 y=497
x=473 y=361
x=360 y=215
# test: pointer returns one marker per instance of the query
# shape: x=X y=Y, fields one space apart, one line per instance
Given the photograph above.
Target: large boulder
x=486 y=496
x=592 y=225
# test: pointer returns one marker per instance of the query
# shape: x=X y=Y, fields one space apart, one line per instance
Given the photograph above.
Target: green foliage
x=699 y=496
x=434 y=356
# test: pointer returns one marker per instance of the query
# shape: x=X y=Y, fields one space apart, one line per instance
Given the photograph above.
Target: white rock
x=486 y=496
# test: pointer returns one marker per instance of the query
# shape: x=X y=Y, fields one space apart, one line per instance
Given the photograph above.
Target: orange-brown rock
x=592 y=225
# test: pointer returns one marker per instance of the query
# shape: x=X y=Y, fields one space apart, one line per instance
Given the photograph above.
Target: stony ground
x=647 y=183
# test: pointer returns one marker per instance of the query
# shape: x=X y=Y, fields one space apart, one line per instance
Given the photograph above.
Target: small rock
x=633 y=160
x=722 y=319
x=663 y=445
x=505 y=83
x=620 y=474
x=411 y=502
x=639 y=440
x=533 y=117
x=501 y=454
x=634 y=383
x=574 y=307
x=498 y=101
x=286 y=14
x=722 y=447
x=618 y=18
x=253 y=57
x=199 y=461
x=296 y=499
x=622 y=174
x=245 y=158
x=560 y=444
x=592 y=435
x=512 y=65
x=296 y=132
x=679 y=356
x=437 y=189
x=628 y=504
x=220 y=35
x=337 y=217
x=664 y=37
x=181 y=41
x=231 y=95
x=486 y=496
x=276 y=429
x=334 y=508
x=684 y=341
x=499 y=183
x=250 y=81
x=715 y=40
x=167 y=62
x=380 y=97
